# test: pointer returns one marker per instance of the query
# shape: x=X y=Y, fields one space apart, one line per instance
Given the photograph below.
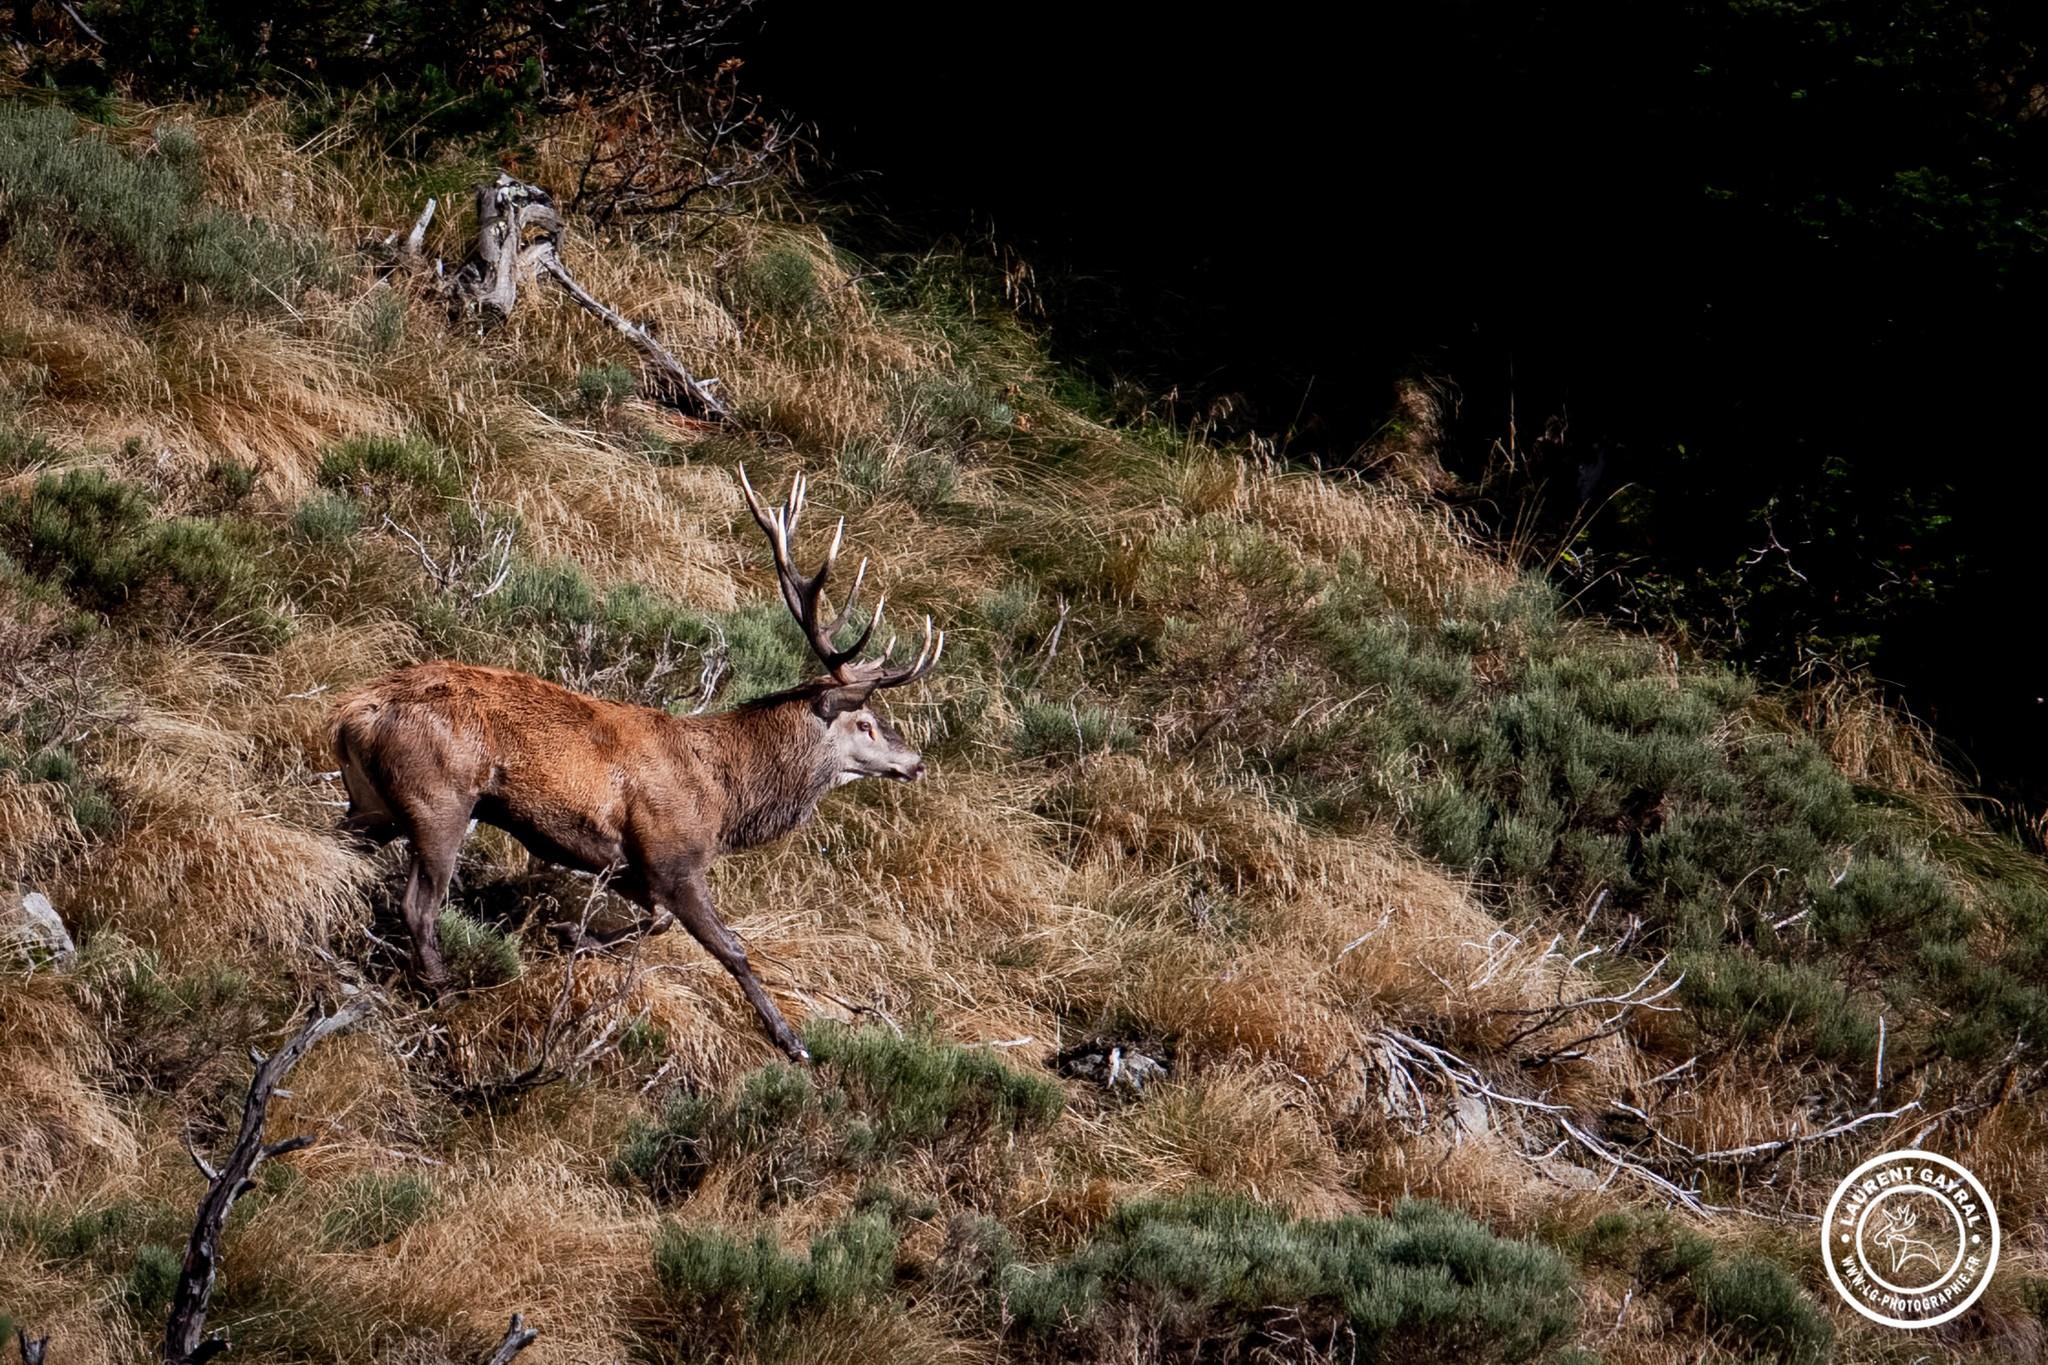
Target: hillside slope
x=1272 y=776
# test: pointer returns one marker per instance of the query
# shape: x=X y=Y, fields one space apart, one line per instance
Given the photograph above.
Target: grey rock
x=1112 y=1066
x=31 y=930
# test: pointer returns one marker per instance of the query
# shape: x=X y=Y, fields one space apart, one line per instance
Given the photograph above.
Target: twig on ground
x=517 y=1338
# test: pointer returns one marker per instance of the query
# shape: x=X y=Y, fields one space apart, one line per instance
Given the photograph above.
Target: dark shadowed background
x=1770 y=273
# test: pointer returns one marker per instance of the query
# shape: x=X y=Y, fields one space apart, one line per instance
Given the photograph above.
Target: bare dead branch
x=185 y=1339
x=697 y=391
x=517 y=1338
x=476 y=565
x=1755 y=1150
x=519 y=235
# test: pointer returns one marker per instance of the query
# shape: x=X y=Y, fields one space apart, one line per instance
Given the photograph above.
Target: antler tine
x=927 y=659
x=805 y=596
x=852 y=596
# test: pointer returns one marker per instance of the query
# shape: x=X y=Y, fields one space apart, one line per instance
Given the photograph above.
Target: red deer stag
x=649 y=797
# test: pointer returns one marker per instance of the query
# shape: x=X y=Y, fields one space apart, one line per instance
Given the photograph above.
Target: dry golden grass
x=1876 y=742
x=62 y=1127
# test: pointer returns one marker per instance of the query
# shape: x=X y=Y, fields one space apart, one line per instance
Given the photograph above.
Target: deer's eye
x=867 y=729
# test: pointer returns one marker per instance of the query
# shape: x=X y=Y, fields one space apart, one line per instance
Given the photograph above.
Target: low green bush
x=374 y=1208
x=669 y=1154
x=916 y=1086
x=1561 y=766
x=94 y=537
x=477 y=955
x=602 y=385
x=781 y=282
x=870 y=1094
x=392 y=461
x=141 y=221
x=1741 y=1299
x=152 y=1280
x=328 y=517
x=1221 y=1276
x=734 y=1290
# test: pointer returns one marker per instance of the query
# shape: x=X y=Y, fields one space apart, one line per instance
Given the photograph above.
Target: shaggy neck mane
x=775 y=764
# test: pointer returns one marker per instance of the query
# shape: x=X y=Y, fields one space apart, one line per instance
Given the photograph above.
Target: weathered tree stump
x=519 y=238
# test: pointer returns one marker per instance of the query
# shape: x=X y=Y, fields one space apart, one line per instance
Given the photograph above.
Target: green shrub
x=670 y=1154
x=770 y=1100
x=234 y=479
x=93 y=536
x=948 y=413
x=373 y=1208
x=1740 y=1297
x=781 y=281
x=107 y=1238
x=152 y=1280
x=327 y=517
x=1046 y=728
x=870 y=1093
x=915 y=1087
x=477 y=955
x=1755 y=1301
x=1563 y=767
x=737 y=1289
x=765 y=651
x=602 y=385
x=140 y=219
x=85 y=530
x=1227 y=1277
x=388 y=460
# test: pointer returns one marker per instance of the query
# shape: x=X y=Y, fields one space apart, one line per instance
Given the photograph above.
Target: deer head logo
x=1895 y=1236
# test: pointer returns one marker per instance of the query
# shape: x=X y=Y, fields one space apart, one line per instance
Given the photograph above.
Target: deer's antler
x=804 y=596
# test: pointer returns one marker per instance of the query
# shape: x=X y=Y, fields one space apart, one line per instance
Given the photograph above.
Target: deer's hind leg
x=436 y=833
x=370 y=816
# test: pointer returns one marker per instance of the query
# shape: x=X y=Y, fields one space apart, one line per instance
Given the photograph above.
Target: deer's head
x=861 y=742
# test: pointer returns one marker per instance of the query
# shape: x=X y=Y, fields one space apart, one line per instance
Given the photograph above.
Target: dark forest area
x=1738 y=302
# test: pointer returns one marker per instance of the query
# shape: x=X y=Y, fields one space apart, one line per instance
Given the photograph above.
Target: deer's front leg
x=691 y=904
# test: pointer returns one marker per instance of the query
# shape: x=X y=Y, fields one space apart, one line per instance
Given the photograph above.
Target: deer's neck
x=777 y=769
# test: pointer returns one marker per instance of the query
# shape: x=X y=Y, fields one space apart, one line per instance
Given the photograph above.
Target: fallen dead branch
x=1759 y=1150
x=1411 y=1070
x=517 y=1338
x=519 y=236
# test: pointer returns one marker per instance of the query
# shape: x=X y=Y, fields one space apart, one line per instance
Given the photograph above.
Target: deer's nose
x=917 y=771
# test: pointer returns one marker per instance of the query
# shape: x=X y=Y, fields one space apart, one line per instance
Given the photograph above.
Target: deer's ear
x=835 y=702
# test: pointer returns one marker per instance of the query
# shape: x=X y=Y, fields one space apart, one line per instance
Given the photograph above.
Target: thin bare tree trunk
x=185 y=1339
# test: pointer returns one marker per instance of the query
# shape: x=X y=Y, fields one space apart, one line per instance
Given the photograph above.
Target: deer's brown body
x=649 y=797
